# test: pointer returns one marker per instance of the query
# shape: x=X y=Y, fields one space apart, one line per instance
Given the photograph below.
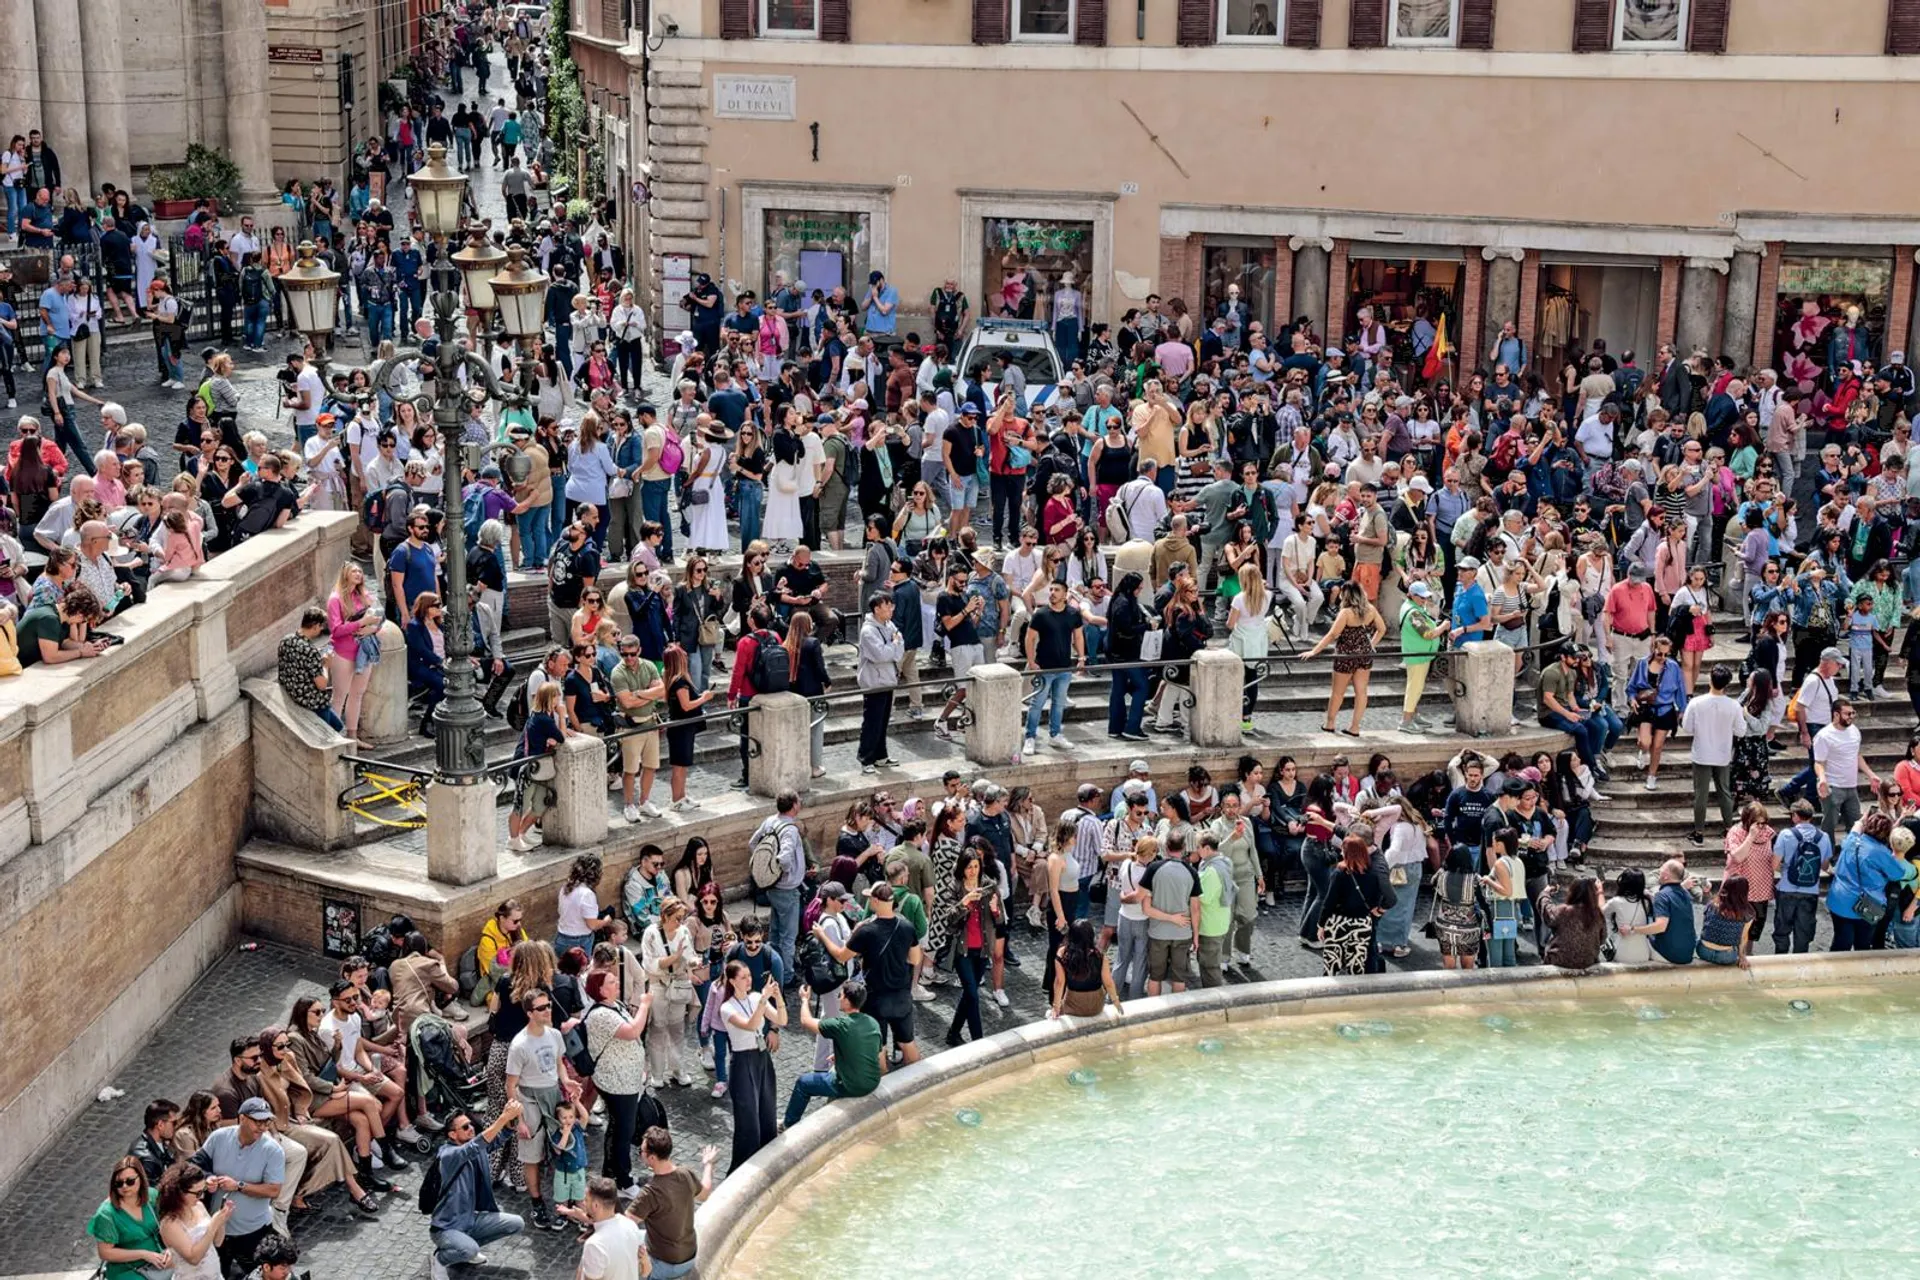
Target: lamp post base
x=463 y=841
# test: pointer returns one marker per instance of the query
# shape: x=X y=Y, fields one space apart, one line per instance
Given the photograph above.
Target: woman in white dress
x=782 y=526
x=707 y=518
x=192 y=1234
x=1247 y=634
x=146 y=260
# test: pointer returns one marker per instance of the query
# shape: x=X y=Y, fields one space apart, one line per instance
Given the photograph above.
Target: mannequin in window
x=1849 y=343
x=1234 y=312
x=1069 y=319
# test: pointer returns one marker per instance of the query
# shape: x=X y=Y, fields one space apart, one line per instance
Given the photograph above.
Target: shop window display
x=1831 y=311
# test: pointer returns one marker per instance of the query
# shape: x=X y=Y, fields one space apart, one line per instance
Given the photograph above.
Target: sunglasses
x=539 y=1008
x=126 y=1182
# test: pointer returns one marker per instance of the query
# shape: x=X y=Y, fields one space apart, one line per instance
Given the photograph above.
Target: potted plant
x=206 y=175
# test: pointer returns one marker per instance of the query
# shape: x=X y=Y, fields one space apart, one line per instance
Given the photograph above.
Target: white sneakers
x=684 y=803
x=631 y=813
x=921 y=995
x=517 y=844
x=1652 y=782
x=650 y=810
x=1030 y=747
x=1059 y=743
x=1000 y=998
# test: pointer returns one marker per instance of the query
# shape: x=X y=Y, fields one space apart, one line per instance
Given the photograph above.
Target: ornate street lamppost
x=313 y=295
x=459 y=746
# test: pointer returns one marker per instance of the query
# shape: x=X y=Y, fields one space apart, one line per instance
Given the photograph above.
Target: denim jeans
x=256 y=322
x=16 y=206
x=653 y=506
x=1397 y=924
x=810 y=1085
x=536 y=537
x=1852 y=935
x=1053 y=689
x=784 y=932
x=455 y=1248
x=1128 y=701
x=750 y=501
x=1130 y=960
x=966 y=1010
x=1587 y=734
x=333 y=720
x=379 y=317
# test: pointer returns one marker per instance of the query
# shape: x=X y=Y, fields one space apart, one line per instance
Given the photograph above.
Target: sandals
x=1351 y=733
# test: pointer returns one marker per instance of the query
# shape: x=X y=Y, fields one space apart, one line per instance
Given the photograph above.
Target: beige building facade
x=1634 y=170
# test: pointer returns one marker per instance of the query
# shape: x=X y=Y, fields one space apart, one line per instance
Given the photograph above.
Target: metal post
x=459 y=747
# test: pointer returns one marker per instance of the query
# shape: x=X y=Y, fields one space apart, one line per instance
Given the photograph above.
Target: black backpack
x=1803 y=867
x=430 y=1187
x=517 y=709
x=772 y=669
x=818 y=969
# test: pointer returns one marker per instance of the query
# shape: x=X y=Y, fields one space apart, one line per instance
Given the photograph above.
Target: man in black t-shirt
x=1056 y=647
x=956 y=616
x=959 y=451
x=269 y=504
x=889 y=953
x=571 y=566
x=802 y=588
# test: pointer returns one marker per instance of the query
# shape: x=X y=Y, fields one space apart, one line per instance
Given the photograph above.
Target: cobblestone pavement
x=43 y=1220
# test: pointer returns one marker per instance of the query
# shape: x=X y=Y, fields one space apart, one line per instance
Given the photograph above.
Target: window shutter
x=1476 y=24
x=1196 y=23
x=1708 y=31
x=1367 y=28
x=1090 y=22
x=1903 y=26
x=1303 y=24
x=736 y=19
x=834 y=22
x=992 y=21
x=1592 y=26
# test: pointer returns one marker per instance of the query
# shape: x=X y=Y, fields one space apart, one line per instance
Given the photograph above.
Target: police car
x=1028 y=344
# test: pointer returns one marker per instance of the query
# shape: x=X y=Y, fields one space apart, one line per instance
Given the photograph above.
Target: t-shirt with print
x=535 y=1058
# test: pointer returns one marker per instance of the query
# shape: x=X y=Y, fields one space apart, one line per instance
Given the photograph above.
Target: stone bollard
x=1482 y=687
x=1218 y=679
x=578 y=818
x=782 y=725
x=463 y=832
x=383 y=709
x=996 y=695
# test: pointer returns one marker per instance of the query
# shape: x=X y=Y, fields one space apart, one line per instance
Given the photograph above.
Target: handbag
x=710 y=632
x=1152 y=644
x=620 y=487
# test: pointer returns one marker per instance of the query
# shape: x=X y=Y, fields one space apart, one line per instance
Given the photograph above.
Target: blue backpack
x=473 y=513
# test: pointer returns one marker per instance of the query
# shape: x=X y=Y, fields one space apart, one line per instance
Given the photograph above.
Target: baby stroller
x=447 y=1084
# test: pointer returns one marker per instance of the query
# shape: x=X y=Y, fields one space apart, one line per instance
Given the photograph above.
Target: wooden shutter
x=1090 y=22
x=1903 y=27
x=1592 y=26
x=1303 y=24
x=1367 y=27
x=1707 y=32
x=1196 y=23
x=1476 y=24
x=992 y=21
x=834 y=21
x=736 y=19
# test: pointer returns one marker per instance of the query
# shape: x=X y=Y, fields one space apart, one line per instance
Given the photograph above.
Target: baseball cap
x=834 y=891
x=1138 y=766
x=1468 y=562
x=256 y=1109
x=1420 y=590
x=969 y=410
x=1832 y=655
x=326 y=418
x=1420 y=484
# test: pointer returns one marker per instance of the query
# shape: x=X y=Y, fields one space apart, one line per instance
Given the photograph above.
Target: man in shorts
x=889 y=955
x=639 y=692
x=533 y=1078
x=1173 y=916
x=960 y=452
x=956 y=614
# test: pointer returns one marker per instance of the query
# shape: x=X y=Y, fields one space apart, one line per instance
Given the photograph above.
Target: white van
x=1027 y=343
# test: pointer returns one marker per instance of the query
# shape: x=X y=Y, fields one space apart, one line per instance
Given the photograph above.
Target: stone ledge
x=730 y=1215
